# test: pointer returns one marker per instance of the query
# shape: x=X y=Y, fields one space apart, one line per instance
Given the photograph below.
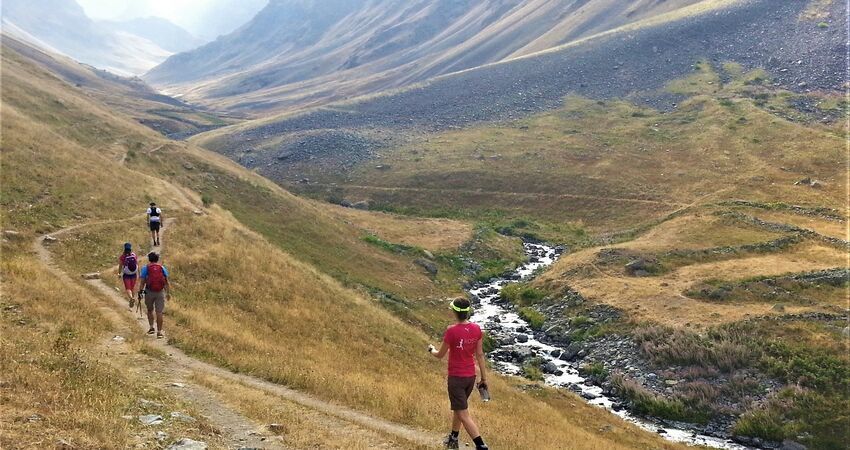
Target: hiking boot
x=151 y=331
x=451 y=442
x=132 y=302
x=160 y=335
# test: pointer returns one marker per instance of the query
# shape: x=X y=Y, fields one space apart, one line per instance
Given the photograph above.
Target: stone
x=635 y=265
x=555 y=353
x=521 y=338
x=150 y=419
x=62 y=444
x=187 y=444
x=671 y=382
x=117 y=338
x=788 y=444
x=345 y=204
x=11 y=234
x=161 y=436
x=198 y=212
x=183 y=417
x=778 y=308
x=277 y=428
x=549 y=367
x=91 y=276
x=429 y=266
x=188 y=166
x=50 y=239
x=571 y=352
x=428 y=254
x=176 y=384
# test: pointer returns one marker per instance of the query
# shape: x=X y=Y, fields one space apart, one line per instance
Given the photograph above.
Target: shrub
x=521 y=294
x=534 y=318
x=595 y=369
x=646 y=403
x=531 y=369
x=207 y=200
x=489 y=344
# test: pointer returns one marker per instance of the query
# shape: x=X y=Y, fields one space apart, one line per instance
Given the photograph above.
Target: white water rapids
x=509 y=322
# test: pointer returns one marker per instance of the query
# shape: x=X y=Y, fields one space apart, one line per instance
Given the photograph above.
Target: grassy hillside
x=613 y=166
x=244 y=296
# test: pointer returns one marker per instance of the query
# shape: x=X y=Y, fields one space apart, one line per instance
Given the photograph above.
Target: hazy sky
x=201 y=17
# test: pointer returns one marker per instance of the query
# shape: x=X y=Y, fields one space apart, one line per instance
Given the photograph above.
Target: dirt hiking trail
x=178 y=368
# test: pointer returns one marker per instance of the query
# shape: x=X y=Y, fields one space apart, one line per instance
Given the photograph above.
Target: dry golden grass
x=303 y=428
x=696 y=232
x=56 y=383
x=430 y=234
x=826 y=227
x=660 y=298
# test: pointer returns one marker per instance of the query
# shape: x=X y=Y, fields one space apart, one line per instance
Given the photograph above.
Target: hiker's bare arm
x=444 y=348
x=482 y=362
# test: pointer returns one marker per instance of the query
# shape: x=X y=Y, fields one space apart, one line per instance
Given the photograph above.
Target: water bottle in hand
x=431 y=348
x=484 y=392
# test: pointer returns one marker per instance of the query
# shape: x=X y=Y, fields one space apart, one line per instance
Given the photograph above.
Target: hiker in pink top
x=464 y=344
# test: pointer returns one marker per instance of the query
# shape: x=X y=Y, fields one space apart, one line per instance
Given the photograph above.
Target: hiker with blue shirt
x=157 y=290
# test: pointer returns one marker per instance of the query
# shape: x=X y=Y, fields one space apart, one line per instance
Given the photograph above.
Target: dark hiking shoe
x=480 y=447
x=132 y=302
x=151 y=331
x=160 y=335
x=451 y=442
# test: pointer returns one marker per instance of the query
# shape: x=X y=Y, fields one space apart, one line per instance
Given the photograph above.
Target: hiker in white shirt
x=155 y=222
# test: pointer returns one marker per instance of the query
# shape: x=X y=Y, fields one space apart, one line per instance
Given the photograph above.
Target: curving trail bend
x=234 y=425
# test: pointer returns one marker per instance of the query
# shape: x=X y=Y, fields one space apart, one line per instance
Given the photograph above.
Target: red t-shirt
x=462 y=340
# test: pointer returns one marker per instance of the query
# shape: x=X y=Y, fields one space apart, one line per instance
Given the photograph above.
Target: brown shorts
x=155 y=300
x=460 y=388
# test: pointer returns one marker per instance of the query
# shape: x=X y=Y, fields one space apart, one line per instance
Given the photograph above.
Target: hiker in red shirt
x=128 y=270
x=464 y=344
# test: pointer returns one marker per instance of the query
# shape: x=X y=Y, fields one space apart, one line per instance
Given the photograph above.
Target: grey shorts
x=155 y=300
x=460 y=388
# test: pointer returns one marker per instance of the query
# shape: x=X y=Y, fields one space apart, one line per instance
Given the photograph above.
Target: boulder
x=11 y=234
x=549 y=367
x=521 y=338
x=50 y=239
x=788 y=444
x=91 y=276
x=429 y=266
x=345 y=203
x=571 y=352
x=187 y=444
x=555 y=353
x=635 y=265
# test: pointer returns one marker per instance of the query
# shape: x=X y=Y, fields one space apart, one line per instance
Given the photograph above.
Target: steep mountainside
x=297 y=52
x=165 y=34
x=62 y=26
x=797 y=51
